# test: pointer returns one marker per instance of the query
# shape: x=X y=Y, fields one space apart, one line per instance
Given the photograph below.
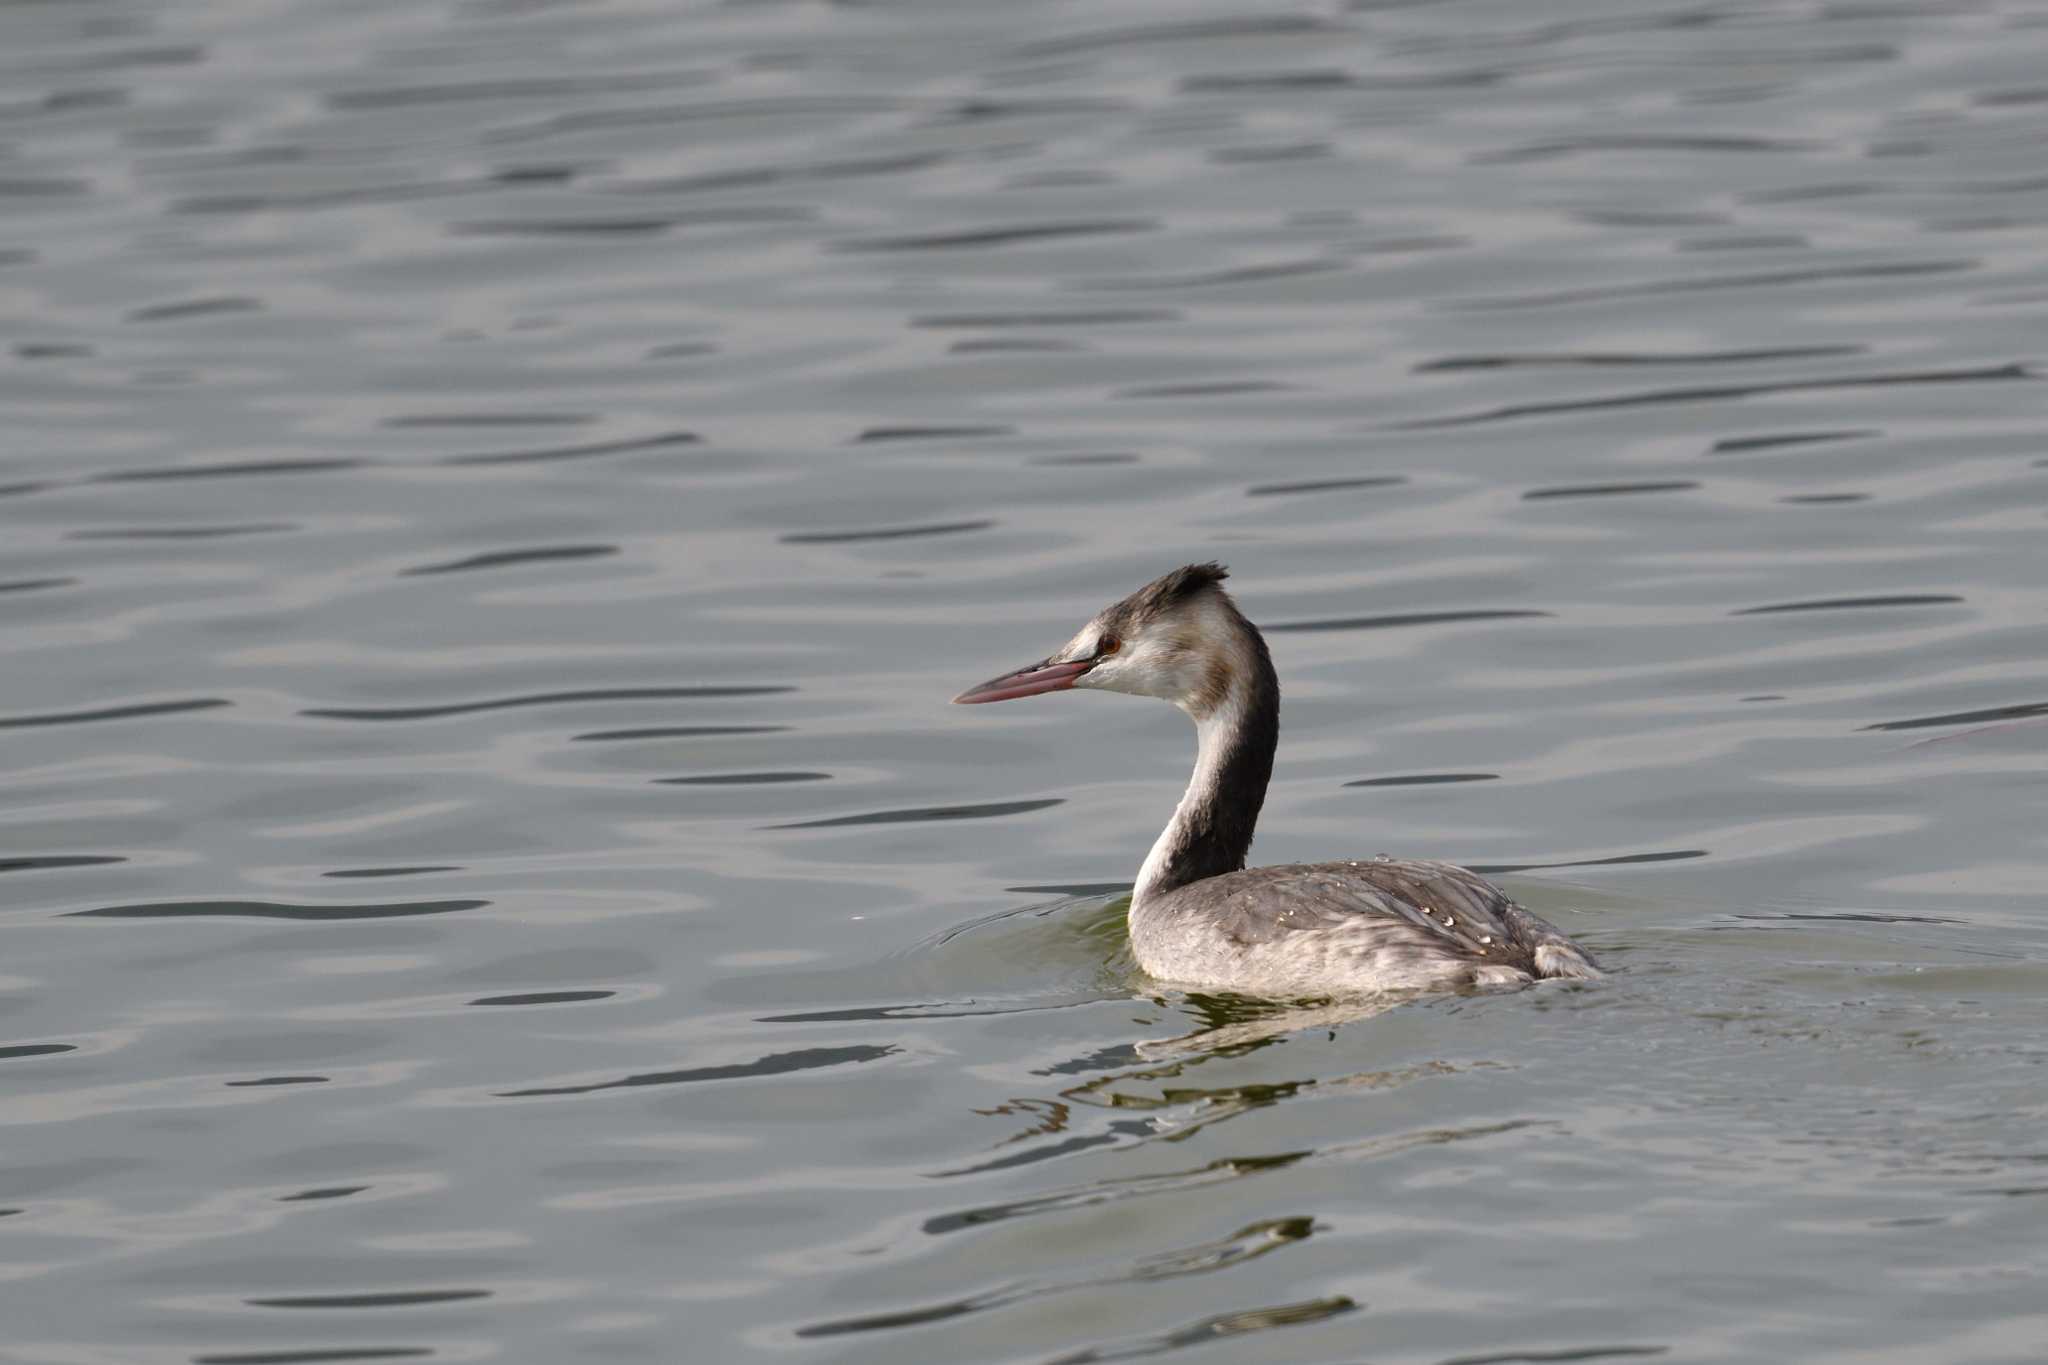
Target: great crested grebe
x=1198 y=915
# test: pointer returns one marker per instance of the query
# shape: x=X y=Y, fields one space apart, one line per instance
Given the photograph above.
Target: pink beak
x=1028 y=681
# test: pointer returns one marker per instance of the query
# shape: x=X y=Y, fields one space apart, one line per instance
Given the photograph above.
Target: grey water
x=497 y=494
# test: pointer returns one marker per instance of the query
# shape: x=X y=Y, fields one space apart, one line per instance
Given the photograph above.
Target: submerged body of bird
x=1200 y=917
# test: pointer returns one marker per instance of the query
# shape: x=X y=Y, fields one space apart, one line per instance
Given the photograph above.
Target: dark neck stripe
x=1216 y=823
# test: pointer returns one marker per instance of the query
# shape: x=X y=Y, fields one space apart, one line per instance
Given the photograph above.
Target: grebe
x=1200 y=917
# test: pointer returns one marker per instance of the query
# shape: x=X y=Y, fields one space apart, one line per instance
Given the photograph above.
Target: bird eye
x=1107 y=645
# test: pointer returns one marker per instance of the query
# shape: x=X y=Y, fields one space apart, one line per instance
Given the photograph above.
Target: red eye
x=1107 y=646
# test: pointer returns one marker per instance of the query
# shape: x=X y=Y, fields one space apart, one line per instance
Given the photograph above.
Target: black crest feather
x=1189 y=579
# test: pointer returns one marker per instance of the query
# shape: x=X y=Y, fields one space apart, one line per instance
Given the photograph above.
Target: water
x=499 y=494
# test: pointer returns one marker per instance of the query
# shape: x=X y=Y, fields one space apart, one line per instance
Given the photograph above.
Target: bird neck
x=1211 y=830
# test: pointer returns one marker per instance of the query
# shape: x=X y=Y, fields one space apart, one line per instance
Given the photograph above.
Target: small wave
x=131 y=712
x=774 y=1064
x=322 y=1192
x=821 y=107
x=1851 y=917
x=254 y=528
x=680 y=732
x=1608 y=490
x=1563 y=1354
x=2021 y=711
x=51 y=862
x=1222 y=388
x=1249 y=274
x=920 y=814
x=582 y=452
x=563 y=227
x=463 y=708
x=237 y=470
x=1665 y=856
x=1424 y=780
x=335 y=1355
x=927 y=433
x=999 y=236
x=540 y=88
x=741 y=779
x=982 y=109
x=937 y=1009
x=1247 y=1243
x=1205 y=1330
x=505 y=559
x=437 y=420
x=937 y=528
x=1604 y=359
x=1014 y=346
x=1805 y=194
x=753 y=177
x=275 y=910
x=1098 y=317
x=398 y=1298
x=195 y=308
x=629 y=227
x=1853 y=604
x=1268 y=82
x=1734 y=445
x=1576 y=146
x=1719 y=392
x=1277 y=490
x=1760 y=280
x=1113 y=1190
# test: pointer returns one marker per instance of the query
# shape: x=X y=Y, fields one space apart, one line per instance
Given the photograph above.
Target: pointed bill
x=1028 y=681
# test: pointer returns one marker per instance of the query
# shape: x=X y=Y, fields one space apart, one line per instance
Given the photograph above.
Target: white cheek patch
x=1155 y=676
x=1137 y=671
x=1109 y=677
x=1174 y=660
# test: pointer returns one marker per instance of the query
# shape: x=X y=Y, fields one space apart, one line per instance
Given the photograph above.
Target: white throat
x=1215 y=733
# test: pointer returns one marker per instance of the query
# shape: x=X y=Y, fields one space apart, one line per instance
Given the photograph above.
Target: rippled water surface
x=497 y=495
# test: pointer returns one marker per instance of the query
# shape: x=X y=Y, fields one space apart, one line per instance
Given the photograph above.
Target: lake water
x=497 y=496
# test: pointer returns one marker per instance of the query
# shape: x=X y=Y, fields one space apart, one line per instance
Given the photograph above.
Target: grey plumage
x=1381 y=924
x=1198 y=915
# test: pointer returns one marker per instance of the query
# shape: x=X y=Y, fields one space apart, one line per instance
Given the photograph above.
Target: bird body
x=1198 y=916
x=1383 y=924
